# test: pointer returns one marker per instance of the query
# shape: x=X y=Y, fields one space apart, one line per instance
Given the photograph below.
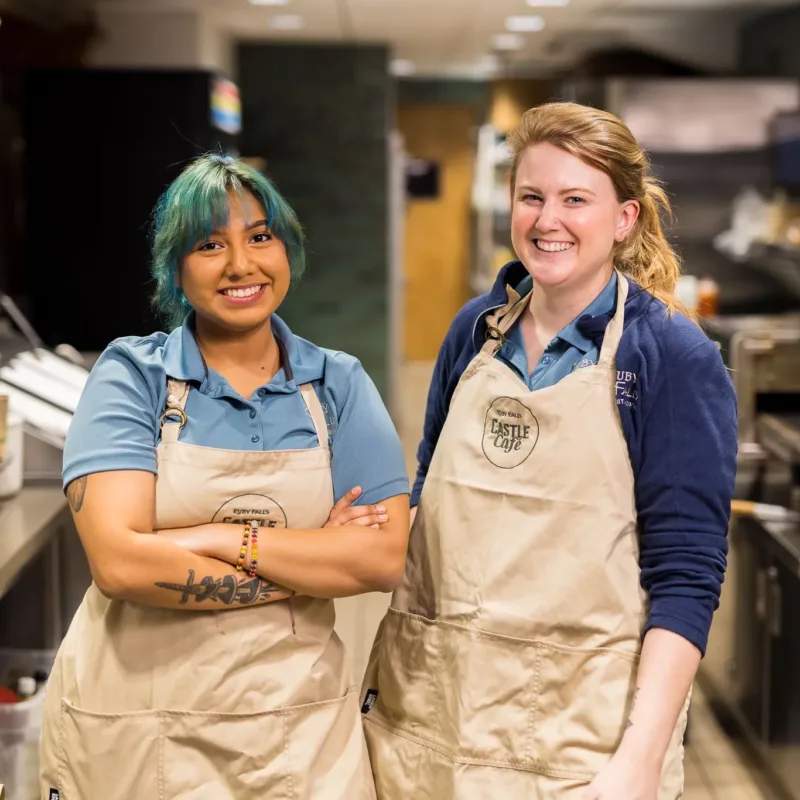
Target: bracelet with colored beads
x=253 y=547
x=243 y=549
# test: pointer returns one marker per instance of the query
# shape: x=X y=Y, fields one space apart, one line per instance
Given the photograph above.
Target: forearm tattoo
x=228 y=590
x=633 y=705
x=76 y=491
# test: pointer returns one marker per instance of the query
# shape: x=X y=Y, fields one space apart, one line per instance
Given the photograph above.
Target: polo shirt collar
x=183 y=361
x=572 y=333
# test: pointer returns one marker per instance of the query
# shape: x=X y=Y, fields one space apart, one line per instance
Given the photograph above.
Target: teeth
x=552 y=247
x=251 y=290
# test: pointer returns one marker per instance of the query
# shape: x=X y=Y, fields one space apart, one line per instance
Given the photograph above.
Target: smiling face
x=239 y=275
x=566 y=219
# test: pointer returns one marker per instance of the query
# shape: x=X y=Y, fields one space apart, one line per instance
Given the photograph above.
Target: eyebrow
x=251 y=226
x=580 y=189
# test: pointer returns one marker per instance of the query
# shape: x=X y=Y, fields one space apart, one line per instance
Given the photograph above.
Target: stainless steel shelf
x=27 y=523
x=782 y=262
x=779 y=434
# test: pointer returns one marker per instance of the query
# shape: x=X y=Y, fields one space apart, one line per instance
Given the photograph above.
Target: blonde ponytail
x=604 y=142
x=646 y=255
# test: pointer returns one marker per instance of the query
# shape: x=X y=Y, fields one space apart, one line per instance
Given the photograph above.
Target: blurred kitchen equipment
x=764 y=511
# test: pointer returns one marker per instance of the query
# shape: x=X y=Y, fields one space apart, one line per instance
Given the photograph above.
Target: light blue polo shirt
x=568 y=351
x=117 y=422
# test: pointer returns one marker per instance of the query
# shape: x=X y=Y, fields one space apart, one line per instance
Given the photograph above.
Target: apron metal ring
x=495 y=333
x=174 y=412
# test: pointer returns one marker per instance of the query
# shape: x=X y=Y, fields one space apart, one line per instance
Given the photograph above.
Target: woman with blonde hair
x=572 y=503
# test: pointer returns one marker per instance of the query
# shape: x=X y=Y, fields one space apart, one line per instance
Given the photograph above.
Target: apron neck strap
x=613 y=332
x=315 y=410
x=174 y=416
x=499 y=322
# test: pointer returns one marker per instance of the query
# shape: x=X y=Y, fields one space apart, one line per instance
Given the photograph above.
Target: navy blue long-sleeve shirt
x=677 y=408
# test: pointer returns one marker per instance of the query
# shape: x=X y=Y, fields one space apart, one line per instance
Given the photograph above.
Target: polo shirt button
x=262 y=392
x=255 y=439
x=252 y=415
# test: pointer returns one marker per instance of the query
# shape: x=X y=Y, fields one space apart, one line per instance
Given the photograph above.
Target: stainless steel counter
x=30 y=526
x=27 y=523
x=752 y=666
x=782 y=540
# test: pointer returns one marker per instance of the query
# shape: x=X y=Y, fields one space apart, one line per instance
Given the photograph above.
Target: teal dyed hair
x=196 y=203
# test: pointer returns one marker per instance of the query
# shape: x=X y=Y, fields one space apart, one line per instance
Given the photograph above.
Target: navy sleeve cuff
x=698 y=636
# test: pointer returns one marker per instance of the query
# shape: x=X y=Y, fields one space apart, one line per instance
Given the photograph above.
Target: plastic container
x=21 y=724
x=708 y=298
x=11 y=468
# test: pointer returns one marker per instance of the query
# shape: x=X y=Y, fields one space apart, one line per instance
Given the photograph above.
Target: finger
x=347 y=499
x=356 y=512
x=371 y=521
x=363 y=521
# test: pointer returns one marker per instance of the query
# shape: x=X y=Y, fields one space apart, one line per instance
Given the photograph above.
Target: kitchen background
x=383 y=122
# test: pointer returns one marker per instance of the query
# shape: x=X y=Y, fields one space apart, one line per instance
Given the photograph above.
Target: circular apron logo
x=510 y=433
x=245 y=507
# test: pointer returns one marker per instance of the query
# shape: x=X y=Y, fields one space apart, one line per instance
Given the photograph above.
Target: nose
x=238 y=261
x=548 y=220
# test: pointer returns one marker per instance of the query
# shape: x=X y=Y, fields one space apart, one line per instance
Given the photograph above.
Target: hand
x=625 y=778
x=344 y=513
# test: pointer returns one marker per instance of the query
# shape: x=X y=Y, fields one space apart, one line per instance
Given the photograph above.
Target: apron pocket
x=488 y=696
x=404 y=668
x=583 y=706
x=328 y=751
x=297 y=753
x=109 y=756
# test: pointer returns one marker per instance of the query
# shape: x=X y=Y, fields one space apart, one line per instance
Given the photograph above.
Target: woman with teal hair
x=209 y=469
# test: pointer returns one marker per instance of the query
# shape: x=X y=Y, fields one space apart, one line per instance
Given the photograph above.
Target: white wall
x=168 y=39
x=131 y=39
x=217 y=47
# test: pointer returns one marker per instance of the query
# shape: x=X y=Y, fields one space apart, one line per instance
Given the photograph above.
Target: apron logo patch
x=369 y=701
x=510 y=433
x=244 y=507
x=54 y=795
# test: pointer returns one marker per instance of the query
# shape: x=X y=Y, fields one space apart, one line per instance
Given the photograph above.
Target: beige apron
x=154 y=704
x=506 y=663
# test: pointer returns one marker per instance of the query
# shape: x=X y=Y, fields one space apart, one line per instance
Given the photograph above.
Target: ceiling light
x=507 y=41
x=402 y=67
x=288 y=22
x=528 y=24
x=270 y=2
x=541 y=3
x=486 y=66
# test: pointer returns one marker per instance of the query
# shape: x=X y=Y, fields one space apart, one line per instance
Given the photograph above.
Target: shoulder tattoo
x=76 y=491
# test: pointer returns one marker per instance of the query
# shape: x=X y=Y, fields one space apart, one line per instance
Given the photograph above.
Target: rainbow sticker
x=226 y=106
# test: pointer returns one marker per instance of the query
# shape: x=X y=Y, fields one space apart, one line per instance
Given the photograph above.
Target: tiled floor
x=714 y=768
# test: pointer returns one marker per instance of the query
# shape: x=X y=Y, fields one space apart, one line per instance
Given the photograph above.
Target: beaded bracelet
x=243 y=549
x=253 y=547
